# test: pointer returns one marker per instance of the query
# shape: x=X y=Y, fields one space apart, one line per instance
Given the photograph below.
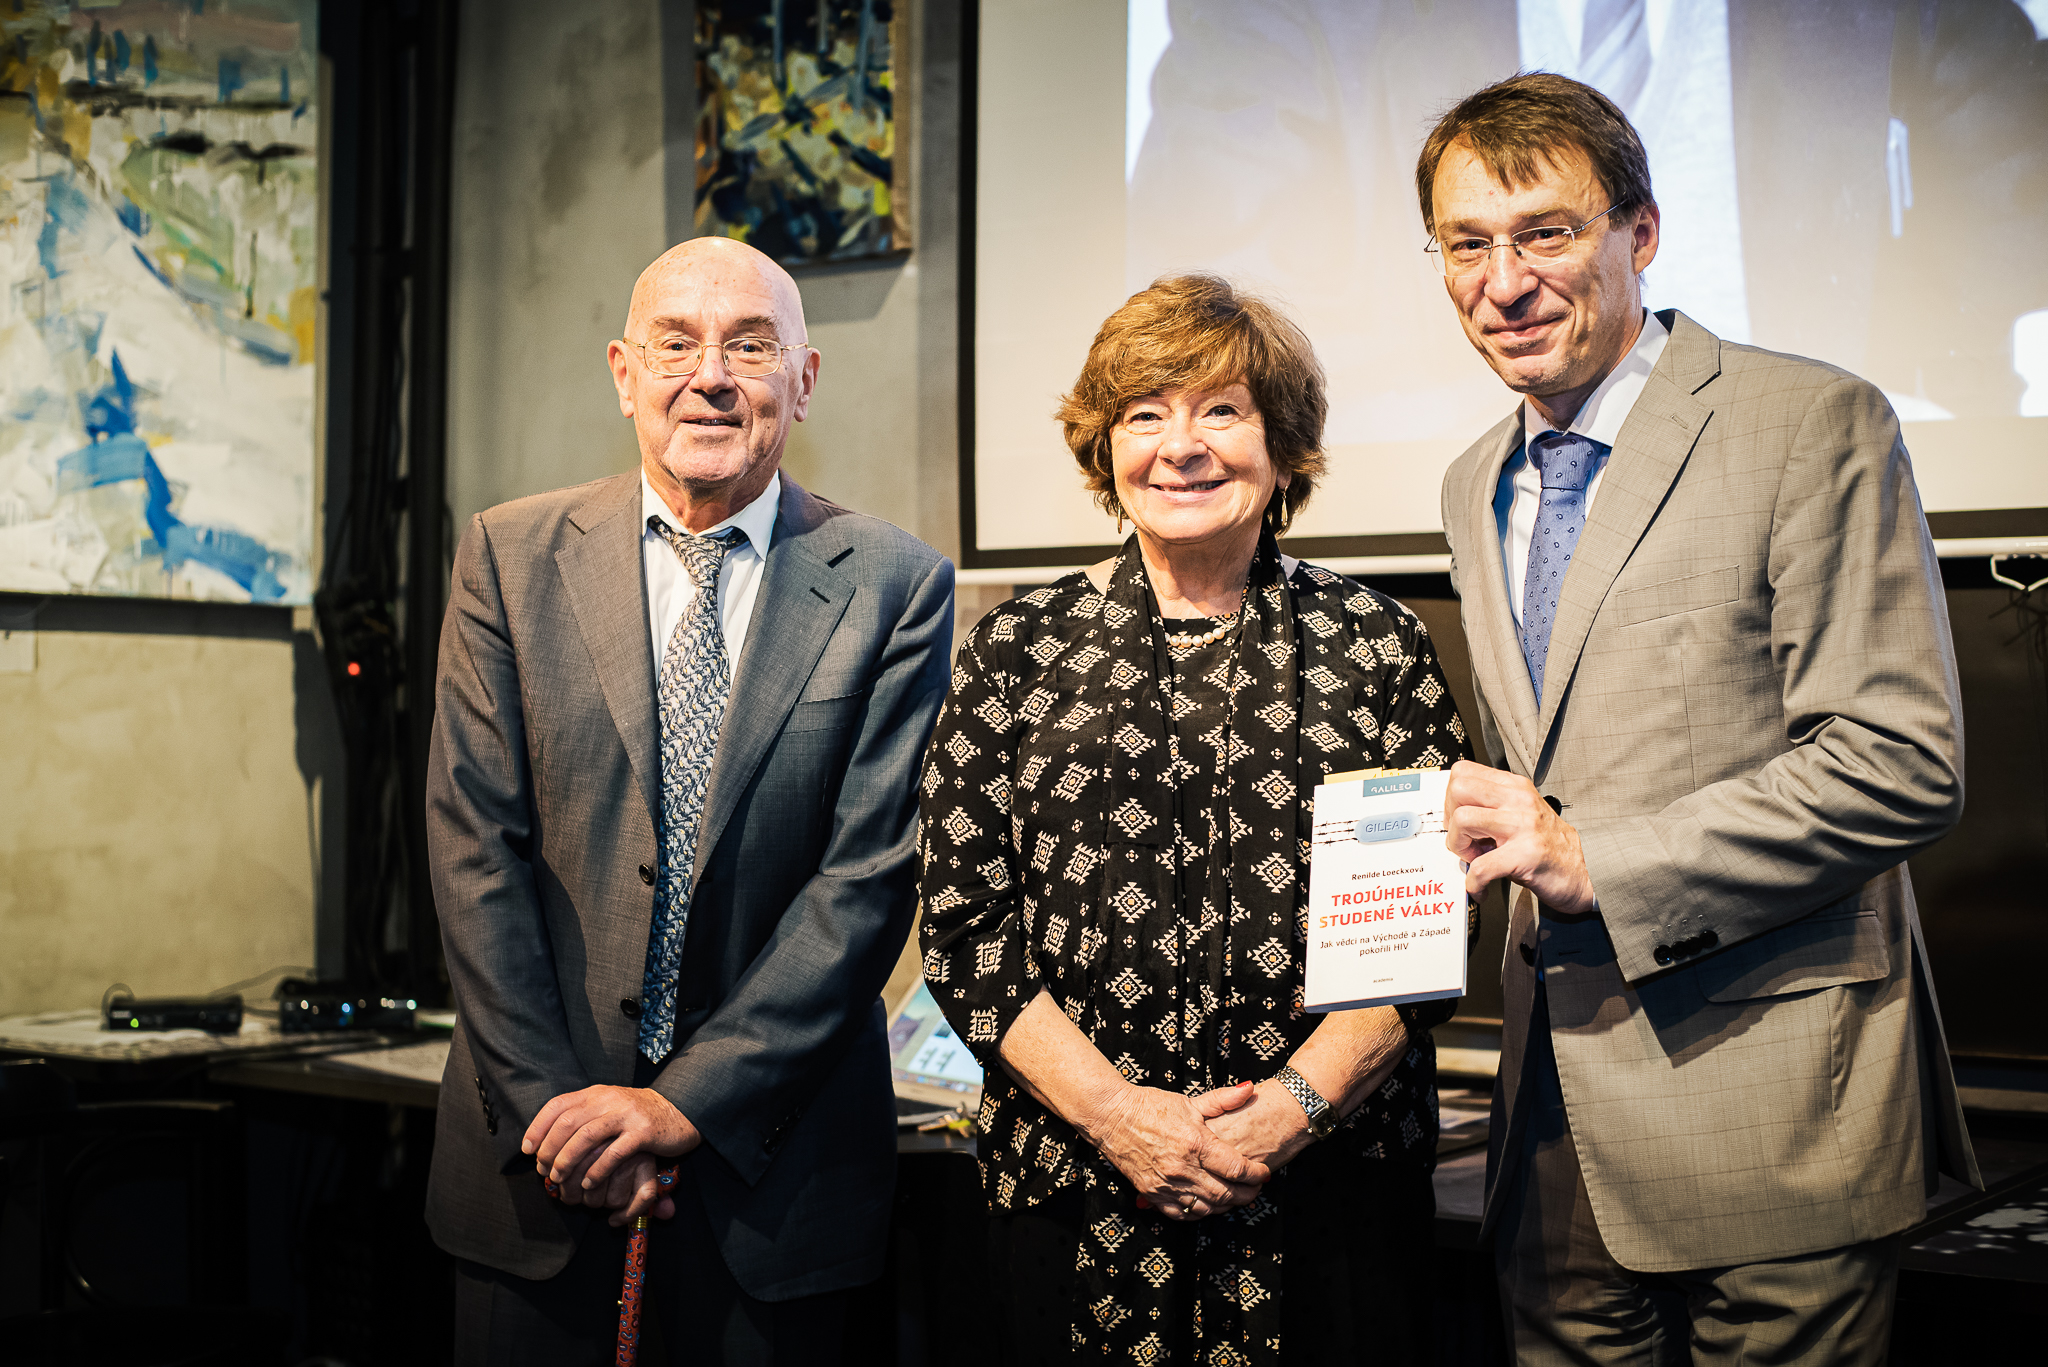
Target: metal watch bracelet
x=1322 y=1117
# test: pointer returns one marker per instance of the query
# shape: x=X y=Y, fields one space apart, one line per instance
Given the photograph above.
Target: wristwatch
x=1322 y=1117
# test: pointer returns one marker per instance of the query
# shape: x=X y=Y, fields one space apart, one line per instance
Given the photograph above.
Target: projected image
x=1831 y=181
x=1834 y=180
x=1861 y=182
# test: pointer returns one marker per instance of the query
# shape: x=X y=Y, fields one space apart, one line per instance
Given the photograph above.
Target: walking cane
x=635 y=1280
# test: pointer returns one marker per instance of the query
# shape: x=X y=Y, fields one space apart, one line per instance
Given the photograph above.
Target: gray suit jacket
x=543 y=801
x=1751 y=716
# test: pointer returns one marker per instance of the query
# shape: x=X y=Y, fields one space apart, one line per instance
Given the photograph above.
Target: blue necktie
x=1565 y=464
x=694 y=682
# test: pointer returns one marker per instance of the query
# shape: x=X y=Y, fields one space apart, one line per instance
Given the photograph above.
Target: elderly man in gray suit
x=671 y=809
x=1718 y=695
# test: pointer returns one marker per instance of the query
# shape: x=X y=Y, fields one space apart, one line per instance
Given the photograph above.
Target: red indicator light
x=354 y=669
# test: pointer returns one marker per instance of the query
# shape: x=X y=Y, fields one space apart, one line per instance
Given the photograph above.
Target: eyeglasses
x=1464 y=255
x=676 y=356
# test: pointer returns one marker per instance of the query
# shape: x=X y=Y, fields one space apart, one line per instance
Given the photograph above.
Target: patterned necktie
x=695 y=679
x=1565 y=464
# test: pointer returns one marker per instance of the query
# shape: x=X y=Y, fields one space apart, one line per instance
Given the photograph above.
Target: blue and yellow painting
x=158 y=252
x=796 y=128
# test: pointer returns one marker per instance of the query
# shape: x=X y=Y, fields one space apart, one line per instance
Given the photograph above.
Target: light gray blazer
x=1751 y=716
x=543 y=797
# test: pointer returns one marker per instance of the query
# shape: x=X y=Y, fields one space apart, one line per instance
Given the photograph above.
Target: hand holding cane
x=635 y=1280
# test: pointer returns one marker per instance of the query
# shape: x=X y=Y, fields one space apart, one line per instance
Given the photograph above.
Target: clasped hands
x=601 y=1146
x=1191 y=1156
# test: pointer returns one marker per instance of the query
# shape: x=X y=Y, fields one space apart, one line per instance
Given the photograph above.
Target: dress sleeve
x=977 y=962
x=1419 y=723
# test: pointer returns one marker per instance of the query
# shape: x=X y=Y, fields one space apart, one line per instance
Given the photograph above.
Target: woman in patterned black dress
x=1116 y=816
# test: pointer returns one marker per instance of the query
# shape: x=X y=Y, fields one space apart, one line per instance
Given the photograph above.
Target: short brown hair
x=1199 y=331
x=1516 y=126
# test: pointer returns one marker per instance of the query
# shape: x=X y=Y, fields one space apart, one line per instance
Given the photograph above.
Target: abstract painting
x=158 y=240
x=796 y=128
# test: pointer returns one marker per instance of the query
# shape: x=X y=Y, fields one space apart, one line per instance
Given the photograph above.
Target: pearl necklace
x=1189 y=640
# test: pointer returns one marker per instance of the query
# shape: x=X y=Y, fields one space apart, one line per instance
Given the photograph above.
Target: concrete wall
x=557 y=205
x=159 y=789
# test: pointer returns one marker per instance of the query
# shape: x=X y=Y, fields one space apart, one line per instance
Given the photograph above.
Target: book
x=1386 y=899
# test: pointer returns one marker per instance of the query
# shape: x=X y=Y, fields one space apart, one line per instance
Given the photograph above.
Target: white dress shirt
x=669 y=588
x=1516 y=501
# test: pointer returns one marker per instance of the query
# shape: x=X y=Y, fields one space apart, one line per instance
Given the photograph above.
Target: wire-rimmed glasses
x=1465 y=253
x=676 y=355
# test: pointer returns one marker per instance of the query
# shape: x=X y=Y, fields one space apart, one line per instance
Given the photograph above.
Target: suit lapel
x=1490 y=632
x=1650 y=450
x=608 y=594
x=801 y=599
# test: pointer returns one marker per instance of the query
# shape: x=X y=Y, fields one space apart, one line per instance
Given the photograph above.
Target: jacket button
x=1662 y=954
x=647 y=874
x=631 y=1008
x=1708 y=939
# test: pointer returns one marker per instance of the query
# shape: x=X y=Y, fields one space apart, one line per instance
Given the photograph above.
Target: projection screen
x=1865 y=183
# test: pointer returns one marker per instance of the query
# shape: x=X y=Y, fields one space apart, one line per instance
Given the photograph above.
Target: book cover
x=1386 y=913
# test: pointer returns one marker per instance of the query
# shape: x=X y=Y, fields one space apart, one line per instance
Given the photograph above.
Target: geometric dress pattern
x=1126 y=824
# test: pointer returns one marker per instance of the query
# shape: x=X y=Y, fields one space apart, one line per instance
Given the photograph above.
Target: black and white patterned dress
x=1126 y=825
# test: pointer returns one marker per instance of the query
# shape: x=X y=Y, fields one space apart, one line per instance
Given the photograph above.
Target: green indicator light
x=134 y=1024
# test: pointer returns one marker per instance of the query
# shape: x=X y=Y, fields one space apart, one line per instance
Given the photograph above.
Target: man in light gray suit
x=1719 y=698
x=671 y=812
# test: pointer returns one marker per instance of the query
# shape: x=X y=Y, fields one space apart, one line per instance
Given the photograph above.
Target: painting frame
x=799 y=145
x=162 y=204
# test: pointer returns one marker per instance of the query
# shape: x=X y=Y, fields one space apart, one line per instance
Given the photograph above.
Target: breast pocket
x=1670 y=597
x=827 y=714
x=1839 y=944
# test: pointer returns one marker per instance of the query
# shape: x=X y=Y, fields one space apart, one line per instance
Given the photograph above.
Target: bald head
x=716 y=265
x=711 y=439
